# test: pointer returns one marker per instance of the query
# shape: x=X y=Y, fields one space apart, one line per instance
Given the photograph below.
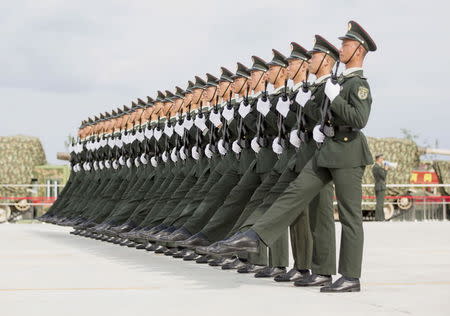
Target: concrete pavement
x=46 y=271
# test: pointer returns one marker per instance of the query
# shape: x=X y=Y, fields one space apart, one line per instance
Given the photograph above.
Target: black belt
x=345 y=129
x=266 y=141
x=245 y=143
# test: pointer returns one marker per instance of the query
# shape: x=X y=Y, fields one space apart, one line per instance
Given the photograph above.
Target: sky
x=64 y=61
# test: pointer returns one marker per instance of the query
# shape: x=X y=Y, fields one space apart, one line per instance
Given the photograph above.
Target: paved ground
x=46 y=271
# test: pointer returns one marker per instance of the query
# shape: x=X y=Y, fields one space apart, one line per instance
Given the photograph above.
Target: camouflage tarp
x=402 y=151
x=442 y=169
x=18 y=157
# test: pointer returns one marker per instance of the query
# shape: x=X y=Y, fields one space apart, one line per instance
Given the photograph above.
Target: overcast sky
x=62 y=61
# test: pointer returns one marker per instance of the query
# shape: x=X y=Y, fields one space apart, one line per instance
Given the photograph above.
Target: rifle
x=280 y=120
x=225 y=131
x=241 y=129
x=212 y=127
x=198 y=132
x=259 y=124
x=185 y=132
x=301 y=120
x=326 y=125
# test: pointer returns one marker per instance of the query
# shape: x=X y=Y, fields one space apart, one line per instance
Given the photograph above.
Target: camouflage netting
x=402 y=151
x=442 y=169
x=18 y=157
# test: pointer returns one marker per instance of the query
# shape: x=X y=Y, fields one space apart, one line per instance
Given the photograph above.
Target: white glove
x=119 y=143
x=208 y=152
x=294 y=139
x=140 y=136
x=131 y=137
x=173 y=155
x=255 y=146
x=148 y=133
x=318 y=135
x=144 y=159
x=182 y=153
x=263 y=107
x=101 y=165
x=283 y=107
x=154 y=162
x=157 y=133
x=276 y=147
x=121 y=161
x=164 y=156
x=221 y=147
x=244 y=110
x=236 y=147
x=302 y=97
x=228 y=114
x=125 y=139
x=332 y=90
x=115 y=165
x=137 y=162
x=168 y=130
x=129 y=163
x=215 y=118
x=195 y=153
x=187 y=124
x=201 y=123
x=107 y=164
x=179 y=129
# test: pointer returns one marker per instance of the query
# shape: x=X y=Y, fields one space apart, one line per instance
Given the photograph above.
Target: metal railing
x=51 y=194
x=415 y=207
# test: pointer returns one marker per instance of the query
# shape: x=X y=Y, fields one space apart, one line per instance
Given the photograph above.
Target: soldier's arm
x=354 y=111
x=312 y=110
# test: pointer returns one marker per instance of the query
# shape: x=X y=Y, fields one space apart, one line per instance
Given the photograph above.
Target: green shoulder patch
x=363 y=93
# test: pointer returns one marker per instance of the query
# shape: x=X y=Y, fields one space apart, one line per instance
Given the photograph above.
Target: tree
x=408 y=134
x=68 y=141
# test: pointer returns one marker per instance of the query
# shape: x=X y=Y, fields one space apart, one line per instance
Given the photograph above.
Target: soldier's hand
x=332 y=90
x=303 y=97
x=318 y=135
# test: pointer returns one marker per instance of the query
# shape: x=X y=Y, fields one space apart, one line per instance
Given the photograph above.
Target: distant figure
x=379 y=171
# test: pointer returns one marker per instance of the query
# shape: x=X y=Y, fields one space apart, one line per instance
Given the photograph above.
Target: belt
x=245 y=143
x=345 y=129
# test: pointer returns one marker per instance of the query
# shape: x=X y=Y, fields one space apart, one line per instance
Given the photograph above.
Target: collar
x=349 y=71
x=238 y=99
x=322 y=79
x=297 y=86
x=256 y=95
x=277 y=89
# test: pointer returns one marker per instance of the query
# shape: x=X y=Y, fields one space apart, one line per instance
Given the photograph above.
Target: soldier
x=379 y=171
x=300 y=233
x=342 y=158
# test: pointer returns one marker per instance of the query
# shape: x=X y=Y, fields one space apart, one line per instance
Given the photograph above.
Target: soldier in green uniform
x=224 y=176
x=300 y=232
x=379 y=171
x=342 y=158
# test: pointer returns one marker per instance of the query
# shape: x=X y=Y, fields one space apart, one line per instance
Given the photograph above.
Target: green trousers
x=379 y=209
x=186 y=192
x=213 y=199
x=213 y=177
x=226 y=215
x=154 y=205
x=294 y=202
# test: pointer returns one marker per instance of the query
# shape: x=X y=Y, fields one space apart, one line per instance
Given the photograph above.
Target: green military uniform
x=379 y=174
x=341 y=159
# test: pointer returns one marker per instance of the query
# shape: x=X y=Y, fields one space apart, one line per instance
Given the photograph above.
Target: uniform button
x=345 y=139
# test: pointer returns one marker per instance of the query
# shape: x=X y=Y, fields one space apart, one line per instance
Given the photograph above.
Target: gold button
x=345 y=139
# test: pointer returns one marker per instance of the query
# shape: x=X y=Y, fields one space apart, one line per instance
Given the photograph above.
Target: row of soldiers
x=225 y=171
